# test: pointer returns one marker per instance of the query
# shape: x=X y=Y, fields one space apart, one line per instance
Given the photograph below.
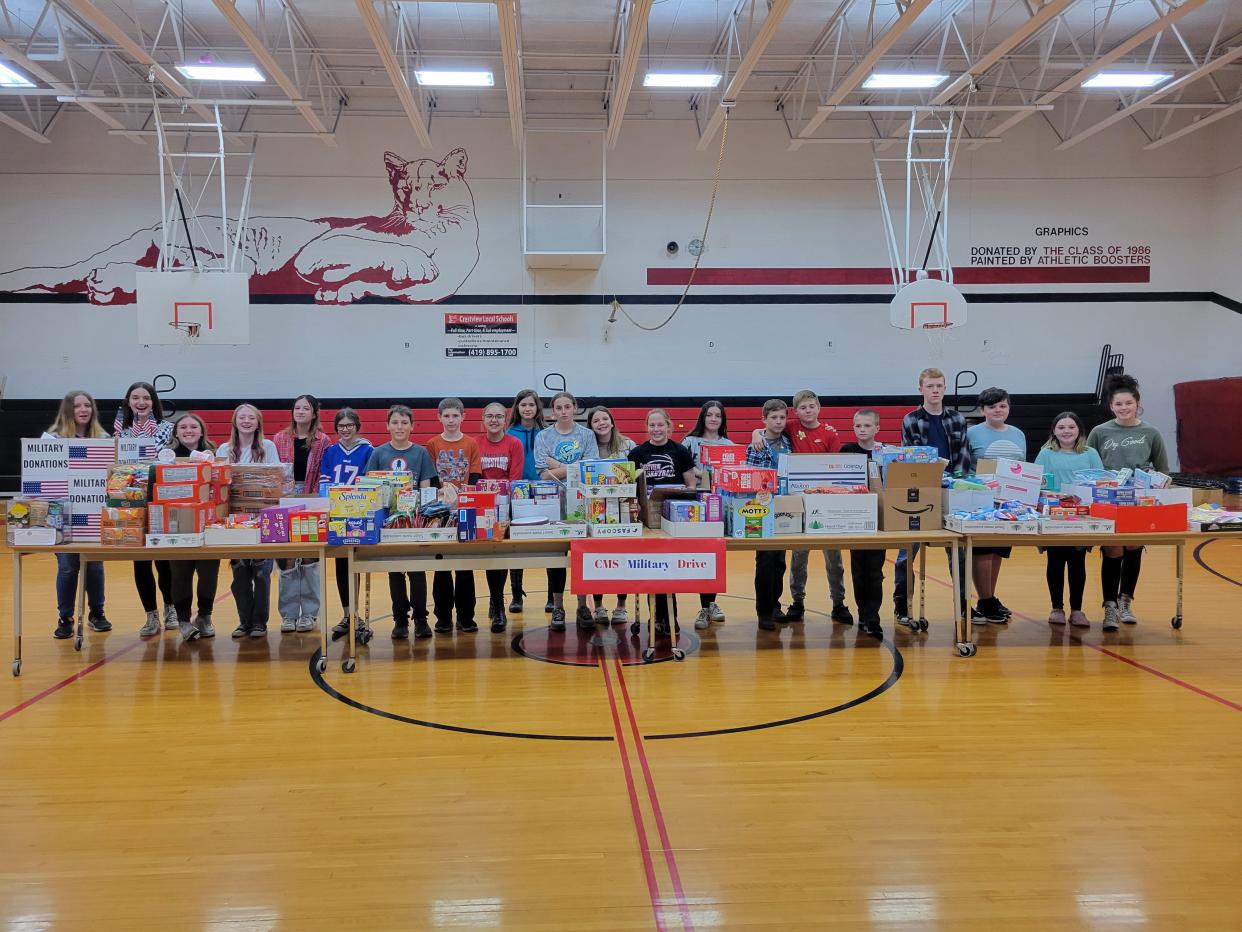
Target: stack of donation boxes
x=605 y=494
x=356 y=513
x=184 y=498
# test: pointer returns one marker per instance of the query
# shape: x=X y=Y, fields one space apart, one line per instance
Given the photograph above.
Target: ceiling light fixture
x=695 y=79
x=1115 y=79
x=905 y=81
x=203 y=71
x=11 y=78
x=434 y=78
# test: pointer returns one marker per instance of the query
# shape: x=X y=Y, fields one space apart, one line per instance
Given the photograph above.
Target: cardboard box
x=787 y=516
x=274 y=524
x=410 y=535
x=182 y=493
x=186 y=472
x=615 y=530
x=218 y=536
x=628 y=490
x=969 y=500
x=1206 y=497
x=910 y=496
x=308 y=527
x=855 y=513
x=692 y=528
x=553 y=530
x=745 y=479
x=652 y=500
x=802 y=471
x=174 y=540
x=1216 y=526
x=183 y=519
x=681 y=510
x=967 y=526
x=1014 y=488
x=1012 y=469
x=1144 y=519
x=35 y=536
x=119 y=536
x=549 y=508
x=1076 y=526
x=750 y=516
x=354 y=531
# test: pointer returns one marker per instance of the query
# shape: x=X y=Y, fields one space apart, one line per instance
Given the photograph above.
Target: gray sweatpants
x=299 y=595
x=798 y=565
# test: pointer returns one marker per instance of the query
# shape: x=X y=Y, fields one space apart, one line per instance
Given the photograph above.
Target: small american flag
x=91 y=456
x=85 y=526
x=46 y=488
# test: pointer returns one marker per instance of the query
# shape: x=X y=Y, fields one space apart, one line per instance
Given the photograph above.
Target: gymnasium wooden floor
x=1051 y=782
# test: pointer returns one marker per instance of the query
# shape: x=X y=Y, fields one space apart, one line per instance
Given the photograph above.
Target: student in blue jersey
x=990 y=440
x=557 y=448
x=525 y=423
x=1065 y=453
x=401 y=454
x=342 y=463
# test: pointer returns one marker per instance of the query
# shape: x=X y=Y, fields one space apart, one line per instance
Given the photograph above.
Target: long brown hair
x=127 y=413
x=515 y=416
x=256 y=445
x=1080 y=445
x=312 y=429
x=66 y=425
x=204 y=444
x=613 y=446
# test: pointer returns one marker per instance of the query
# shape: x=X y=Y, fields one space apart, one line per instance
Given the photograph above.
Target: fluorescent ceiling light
x=11 y=78
x=680 y=79
x=904 y=81
x=246 y=73
x=434 y=78
x=1127 y=79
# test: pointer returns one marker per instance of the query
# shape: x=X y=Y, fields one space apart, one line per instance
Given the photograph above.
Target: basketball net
x=188 y=331
x=937 y=333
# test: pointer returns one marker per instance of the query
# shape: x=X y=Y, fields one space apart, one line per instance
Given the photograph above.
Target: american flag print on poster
x=45 y=488
x=85 y=526
x=133 y=449
x=91 y=454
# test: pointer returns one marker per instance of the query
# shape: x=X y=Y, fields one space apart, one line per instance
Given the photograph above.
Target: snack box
x=186 y=471
x=969 y=526
x=182 y=519
x=274 y=524
x=692 y=528
x=553 y=530
x=1087 y=525
x=221 y=535
x=482 y=502
x=722 y=454
x=35 y=536
x=1143 y=519
x=355 y=531
x=611 y=472
x=175 y=540
x=535 y=489
x=123 y=536
x=615 y=530
x=38 y=512
x=308 y=527
x=745 y=479
x=750 y=516
x=675 y=509
x=714 y=505
x=651 y=500
x=417 y=535
x=788 y=515
x=127 y=483
x=841 y=514
x=182 y=492
x=110 y=516
x=356 y=501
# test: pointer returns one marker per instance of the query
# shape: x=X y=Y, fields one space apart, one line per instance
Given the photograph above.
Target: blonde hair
x=929 y=373
x=256 y=445
x=869 y=412
x=66 y=426
x=204 y=443
x=805 y=395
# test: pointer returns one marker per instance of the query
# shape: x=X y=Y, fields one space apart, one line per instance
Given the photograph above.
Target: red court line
x=669 y=859
x=1206 y=694
x=70 y=679
x=653 y=889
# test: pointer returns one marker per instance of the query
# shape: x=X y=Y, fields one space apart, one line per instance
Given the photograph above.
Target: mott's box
x=910 y=496
x=351 y=501
x=750 y=516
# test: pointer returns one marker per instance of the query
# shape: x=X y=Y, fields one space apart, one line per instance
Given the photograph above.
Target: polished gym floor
x=806 y=779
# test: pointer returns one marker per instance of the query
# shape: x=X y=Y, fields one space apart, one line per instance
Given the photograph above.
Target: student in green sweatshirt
x=1124 y=443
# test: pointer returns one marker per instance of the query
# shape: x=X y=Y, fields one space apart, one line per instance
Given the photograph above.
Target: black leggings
x=145 y=580
x=1119 y=575
x=1063 y=560
x=342 y=581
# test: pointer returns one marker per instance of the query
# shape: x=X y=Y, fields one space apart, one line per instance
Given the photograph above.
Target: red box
x=743 y=479
x=181 y=492
x=183 y=472
x=480 y=501
x=726 y=454
x=1144 y=519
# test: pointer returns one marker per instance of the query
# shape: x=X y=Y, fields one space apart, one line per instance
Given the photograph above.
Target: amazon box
x=910 y=497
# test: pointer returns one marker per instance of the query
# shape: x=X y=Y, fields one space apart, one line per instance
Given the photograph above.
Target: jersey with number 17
x=343 y=467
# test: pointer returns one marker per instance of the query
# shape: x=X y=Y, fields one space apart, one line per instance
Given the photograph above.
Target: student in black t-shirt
x=663 y=462
x=867 y=566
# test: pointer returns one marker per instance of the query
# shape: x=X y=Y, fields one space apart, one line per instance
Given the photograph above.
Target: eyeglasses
x=344 y=424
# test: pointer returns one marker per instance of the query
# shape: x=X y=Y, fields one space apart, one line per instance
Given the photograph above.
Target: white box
x=218 y=536
x=966 y=526
x=966 y=500
x=174 y=540
x=629 y=490
x=615 y=530
x=1018 y=469
x=556 y=530
x=35 y=536
x=692 y=528
x=812 y=470
x=841 y=514
x=549 y=508
x=788 y=512
x=1016 y=489
x=417 y=535
x=1081 y=526
x=308 y=503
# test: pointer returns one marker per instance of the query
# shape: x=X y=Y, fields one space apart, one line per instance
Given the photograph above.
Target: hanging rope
x=707 y=224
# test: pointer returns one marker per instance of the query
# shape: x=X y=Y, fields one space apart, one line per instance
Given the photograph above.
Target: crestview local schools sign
x=604 y=566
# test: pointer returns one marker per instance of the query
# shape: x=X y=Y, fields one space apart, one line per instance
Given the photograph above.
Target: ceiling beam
x=228 y=9
x=17 y=57
x=511 y=56
x=865 y=65
x=1099 y=64
x=635 y=34
x=1197 y=125
x=776 y=12
x=379 y=38
x=29 y=132
x=1163 y=91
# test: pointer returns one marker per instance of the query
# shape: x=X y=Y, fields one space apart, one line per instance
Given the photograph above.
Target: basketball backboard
x=927 y=304
x=193 y=308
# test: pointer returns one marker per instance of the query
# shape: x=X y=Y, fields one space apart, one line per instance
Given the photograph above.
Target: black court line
x=1217 y=573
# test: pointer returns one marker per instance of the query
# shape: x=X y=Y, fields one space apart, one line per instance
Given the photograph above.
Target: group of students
x=517 y=443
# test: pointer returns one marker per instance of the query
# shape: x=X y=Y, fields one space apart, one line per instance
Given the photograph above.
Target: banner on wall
x=481 y=336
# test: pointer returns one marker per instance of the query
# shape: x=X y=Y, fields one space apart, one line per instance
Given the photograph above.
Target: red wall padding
x=1209 y=425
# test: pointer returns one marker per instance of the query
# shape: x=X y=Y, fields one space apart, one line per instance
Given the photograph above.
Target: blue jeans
x=67 y=566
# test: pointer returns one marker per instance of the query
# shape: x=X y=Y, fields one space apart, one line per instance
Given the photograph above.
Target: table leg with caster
x=323 y=614
x=349 y=663
x=79 y=627
x=679 y=652
x=961 y=624
x=17 y=613
x=921 y=620
x=1181 y=575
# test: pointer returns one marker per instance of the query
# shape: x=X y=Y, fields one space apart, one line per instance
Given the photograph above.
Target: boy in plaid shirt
x=770 y=564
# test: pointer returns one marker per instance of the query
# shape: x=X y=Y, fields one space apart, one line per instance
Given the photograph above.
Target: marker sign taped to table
x=604 y=566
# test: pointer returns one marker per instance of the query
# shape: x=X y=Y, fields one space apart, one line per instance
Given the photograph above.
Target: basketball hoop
x=188 y=327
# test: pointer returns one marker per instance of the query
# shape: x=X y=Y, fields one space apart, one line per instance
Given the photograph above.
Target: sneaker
x=400 y=630
x=205 y=628
x=899 y=610
x=558 y=619
x=1125 y=612
x=1079 y=620
x=1111 y=617
x=976 y=617
x=259 y=631
x=152 y=626
x=240 y=631
x=515 y=607
x=991 y=610
x=64 y=629
x=422 y=630
x=548 y=607
x=601 y=615
x=444 y=626
x=171 y=621
x=98 y=623
x=341 y=629
x=715 y=613
x=703 y=620
x=781 y=617
x=467 y=625
x=796 y=611
x=767 y=623
x=307 y=624
x=586 y=621
x=872 y=628
x=1056 y=617
x=619 y=615
x=841 y=614
x=189 y=631
x=288 y=625
x=499 y=621
x=1000 y=607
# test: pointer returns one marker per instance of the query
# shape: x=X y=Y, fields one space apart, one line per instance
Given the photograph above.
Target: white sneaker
x=703 y=620
x=152 y=627
x=619 y=615
x=1111 y=616
x=1124 y=611
x=715 y=613
x=601 y=615
x=171 y=621
x=306 y=624
x=287 y=625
